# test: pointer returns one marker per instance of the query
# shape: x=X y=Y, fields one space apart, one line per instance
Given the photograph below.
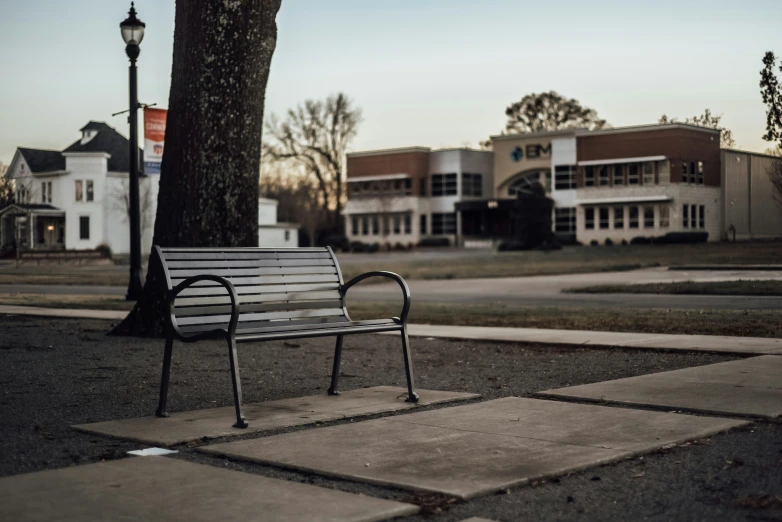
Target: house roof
x=110 y=141
x=41 y=160
x=34 y=208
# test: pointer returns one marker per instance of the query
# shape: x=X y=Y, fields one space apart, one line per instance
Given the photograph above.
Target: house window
x=692 y=172
x=46 y=192
x=444 y=223
x=648 y=217
x=375 y=225
x=633 y=217
x=444 y=185
x=684 y=172
x=602 y=175
x=564 y=177
x=422 y=223
x=619 y=217
x=408 y=224
x=701 y=216
x=700 y=173
x=565 y=220
x=472 y=184
x=589 y=177
x=632 y=174
x=665 y=216
x=603 y=218
x=90 y=190
x=619 y=174
x=79 y=194
x=685 y=216
x=693 y=216
x=397 y=224
x=354 y=225
x=664 y=172
x=365 y=225
x=84 y=227
x=589 y=218
x=648 y=170
x=386 y=224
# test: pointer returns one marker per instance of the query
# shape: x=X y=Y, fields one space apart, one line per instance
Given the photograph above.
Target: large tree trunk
x=211 y=163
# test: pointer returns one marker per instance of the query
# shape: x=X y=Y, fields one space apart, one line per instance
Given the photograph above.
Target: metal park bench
x=265 y=294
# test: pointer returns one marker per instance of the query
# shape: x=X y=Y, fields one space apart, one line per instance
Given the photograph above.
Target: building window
x=422 y=220
x=603 y=218
x=602 y=175
x=364 y=225
x=408 y=224
x=632 y=174
x=472 y=185
x=375 y=225
x=79 y=194
x=444 y=185
x=633 y=217
x=665 y=216
x=648 y=170
x=408 y=187
x=385 y=222
x=444 y=223
x=354 y=225
x=693 y=216
x=648 y=217
x=701 y=216
x=397 y=224
x=287 y=235
x=589 y=177
x=685 y=216
x=619 y=217
x=692 y=172
x=589 y=218
x=46 y=192
x=565 y=220
x=664 y=172
x=700 y=173
x=84 y=227
x=619 y=174
x=564 y=177
x=684 y=172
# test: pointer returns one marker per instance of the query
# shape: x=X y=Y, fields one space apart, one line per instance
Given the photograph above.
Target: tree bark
x=209 y=175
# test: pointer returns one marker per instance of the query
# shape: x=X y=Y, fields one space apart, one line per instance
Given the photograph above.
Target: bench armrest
x=389 y=275
x=190 y=281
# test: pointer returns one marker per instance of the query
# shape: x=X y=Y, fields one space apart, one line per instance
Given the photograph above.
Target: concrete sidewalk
x=697 y=343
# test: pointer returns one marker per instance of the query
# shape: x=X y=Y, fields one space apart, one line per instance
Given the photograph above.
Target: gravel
x=59 y=372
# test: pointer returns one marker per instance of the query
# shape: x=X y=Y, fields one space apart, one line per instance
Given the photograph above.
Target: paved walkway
x=698 y=343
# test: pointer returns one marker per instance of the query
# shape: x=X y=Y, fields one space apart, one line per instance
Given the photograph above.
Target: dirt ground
x=56 y=373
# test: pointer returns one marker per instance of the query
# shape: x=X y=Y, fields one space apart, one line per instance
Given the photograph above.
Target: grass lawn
x=741 y=287
x=753 y=323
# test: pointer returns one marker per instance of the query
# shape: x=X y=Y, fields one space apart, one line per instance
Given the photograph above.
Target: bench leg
x=412 y=395
x=161 y=407
x=335 y=370
x=240 y=421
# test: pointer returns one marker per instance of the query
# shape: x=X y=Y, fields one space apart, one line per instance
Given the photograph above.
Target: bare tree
x=772 y=97
x=709 y=120
x=6 y=186
x=297 y=195
x=316 y=136
x=120 y=196
x=209 y=176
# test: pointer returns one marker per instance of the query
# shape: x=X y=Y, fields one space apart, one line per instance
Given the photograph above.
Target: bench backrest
x=288 y=287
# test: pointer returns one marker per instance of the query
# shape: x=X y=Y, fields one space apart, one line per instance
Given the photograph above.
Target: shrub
x=374 y=247
x=640 y=240
x=511 y=246
x=608 y=242
x=683 y=237
x=594 y=242
x=337 y=242
x=358 y=246
x=434 y=242
x=104 y=249
x=624 y=242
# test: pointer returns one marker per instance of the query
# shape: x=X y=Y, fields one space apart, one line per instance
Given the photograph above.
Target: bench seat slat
x=261 y=280
x=259 y=290
x=255 y=271
x=248 y=263
x=318 y=332
x=277 y=323
x=224 y=318
x=190 y=311
x=236 y=256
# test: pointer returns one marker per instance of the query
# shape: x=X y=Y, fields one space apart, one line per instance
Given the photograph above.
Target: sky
x=434 y=73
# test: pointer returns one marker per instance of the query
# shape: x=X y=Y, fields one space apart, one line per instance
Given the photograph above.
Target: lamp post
x=133 y=32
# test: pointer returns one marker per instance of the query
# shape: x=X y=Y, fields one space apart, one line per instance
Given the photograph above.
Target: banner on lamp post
x=154 y=135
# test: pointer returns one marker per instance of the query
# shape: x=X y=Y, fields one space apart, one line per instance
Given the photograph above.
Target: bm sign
x=531 y=151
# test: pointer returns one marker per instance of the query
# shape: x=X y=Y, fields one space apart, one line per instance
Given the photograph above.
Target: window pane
x=354 y=225
x=602 y=172
x=423 y=224
x=632 y=174
x=375 y=225
x=589 y=218
x=603 y=217
x=664 y=171
x=619 y=174
x=589 y=177
x=90 y=192
x=685 y=214
x=78 y=195
x=665 y=216
x=648 y=217
x=84 y=227
x=397 y=224
x=408 y=224
x=564 y=177
x=619 y=217
x=633 y=217
x=702 y=216
x=365 y=226
x=648 y=168
x=565 y=219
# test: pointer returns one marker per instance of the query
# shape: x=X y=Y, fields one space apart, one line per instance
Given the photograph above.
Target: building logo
x=516 y=153
x=532 y=151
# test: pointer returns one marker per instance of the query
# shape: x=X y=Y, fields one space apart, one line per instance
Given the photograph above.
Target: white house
x=77 y=198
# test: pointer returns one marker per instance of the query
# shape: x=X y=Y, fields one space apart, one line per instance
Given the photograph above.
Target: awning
x=23 y=209
x=614 y=161
x=378 y=178
x=617 y=201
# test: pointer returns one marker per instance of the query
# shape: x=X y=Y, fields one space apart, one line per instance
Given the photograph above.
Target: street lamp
x=133 y=32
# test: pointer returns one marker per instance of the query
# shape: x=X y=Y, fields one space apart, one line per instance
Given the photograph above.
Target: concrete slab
x=748 y=387
x=475 y=449
x=477 y=519
x=264 y=416
x=165 y=489
x=115 y=315
x=700 y=343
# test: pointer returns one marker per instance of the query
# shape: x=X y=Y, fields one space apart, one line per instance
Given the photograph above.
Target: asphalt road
x=528 y=291
x=59 y=372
